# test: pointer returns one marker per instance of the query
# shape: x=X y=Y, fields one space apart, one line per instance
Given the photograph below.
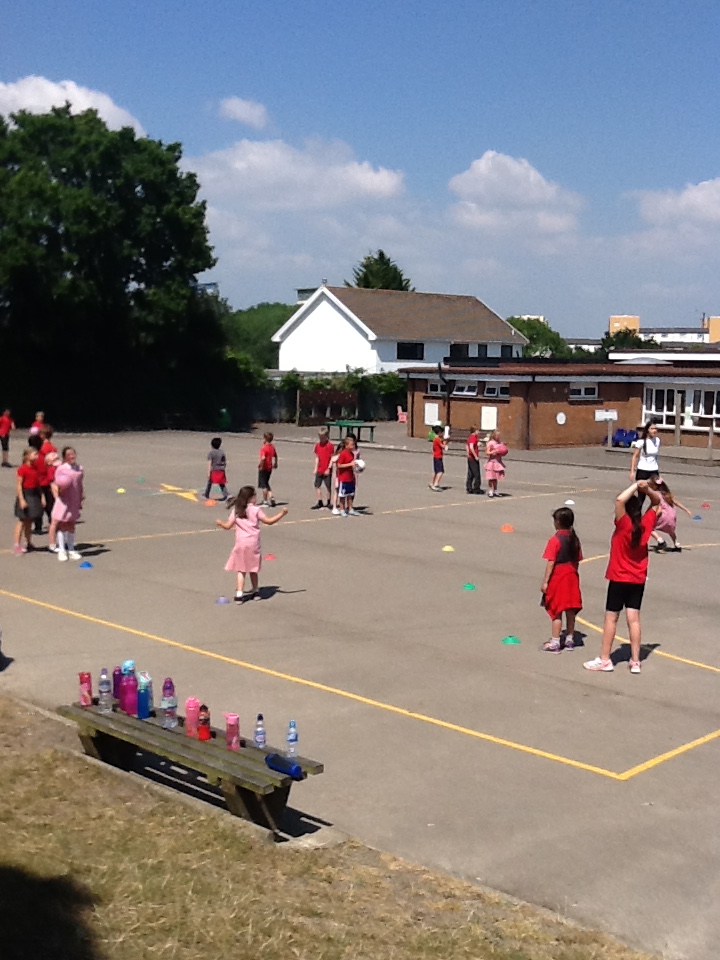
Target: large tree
x=249 y=332
x=544 y=341
x=626 y=340
x=101 y=239
x=379 y=272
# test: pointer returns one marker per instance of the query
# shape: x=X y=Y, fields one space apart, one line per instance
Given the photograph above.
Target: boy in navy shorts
x=346 y=478
x=322 y=471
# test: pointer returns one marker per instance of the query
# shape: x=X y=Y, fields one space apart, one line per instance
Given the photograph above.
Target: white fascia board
x=299 y=314
x=371 y=335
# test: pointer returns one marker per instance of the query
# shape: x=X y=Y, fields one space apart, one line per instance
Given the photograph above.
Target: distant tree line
x=546 y=342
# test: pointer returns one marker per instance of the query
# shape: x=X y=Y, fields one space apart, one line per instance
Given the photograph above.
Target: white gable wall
x=326 y=342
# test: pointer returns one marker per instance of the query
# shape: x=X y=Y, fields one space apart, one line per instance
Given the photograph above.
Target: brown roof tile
x=397 y=315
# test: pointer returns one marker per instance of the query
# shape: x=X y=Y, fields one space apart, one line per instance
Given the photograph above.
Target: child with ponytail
x=246 y=558
x=561 y=583
x=627 y=571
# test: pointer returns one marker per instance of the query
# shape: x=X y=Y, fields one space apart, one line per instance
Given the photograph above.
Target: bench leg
x=266 y=810
x=101 y=746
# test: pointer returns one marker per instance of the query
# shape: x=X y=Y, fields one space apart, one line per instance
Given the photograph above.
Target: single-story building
x=553 y=403
x=382 y=330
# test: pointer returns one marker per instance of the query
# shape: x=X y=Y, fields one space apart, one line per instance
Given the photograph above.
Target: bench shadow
x=46 y=917
x=150 y=766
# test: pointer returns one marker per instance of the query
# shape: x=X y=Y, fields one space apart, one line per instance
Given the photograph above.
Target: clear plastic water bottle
x=169 y=705
x=291 y=740
x=259 y=734
x=105 y=694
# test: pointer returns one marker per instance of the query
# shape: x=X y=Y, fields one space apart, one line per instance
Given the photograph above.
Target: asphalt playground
x=594 y=795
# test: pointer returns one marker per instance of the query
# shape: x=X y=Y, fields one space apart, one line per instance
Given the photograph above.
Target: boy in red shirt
x=6 y=425
x=627 y=572
x=322 y=471
x=472 y=450
x=268 y=462
x=346 y=478
x=439 y=446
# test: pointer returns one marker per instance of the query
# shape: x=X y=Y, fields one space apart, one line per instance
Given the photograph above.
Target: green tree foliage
x=379 y=272
x=544 y=341
x=249 y=332
x=626 y=340
x=101 y=239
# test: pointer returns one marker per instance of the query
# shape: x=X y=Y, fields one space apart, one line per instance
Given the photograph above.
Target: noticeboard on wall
x=488 y=418
x=432 y=414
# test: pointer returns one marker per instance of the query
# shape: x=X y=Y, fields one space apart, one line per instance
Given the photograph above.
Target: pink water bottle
x=192 y=713
x=131 y=695
x=85 y=689
x=232 y=731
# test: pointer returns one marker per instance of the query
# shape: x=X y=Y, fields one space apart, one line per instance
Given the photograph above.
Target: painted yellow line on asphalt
x=670 y=755
x=314 y=685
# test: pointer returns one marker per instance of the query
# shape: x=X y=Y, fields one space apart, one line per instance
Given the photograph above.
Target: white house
x=383 y=330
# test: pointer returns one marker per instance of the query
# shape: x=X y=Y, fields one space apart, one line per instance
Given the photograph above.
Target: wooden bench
x=344 y=427
x=249 y=787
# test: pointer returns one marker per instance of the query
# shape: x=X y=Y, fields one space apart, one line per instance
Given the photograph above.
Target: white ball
x=359 y=465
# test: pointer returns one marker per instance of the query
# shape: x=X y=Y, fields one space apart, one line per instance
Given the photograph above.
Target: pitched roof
x=400 y=315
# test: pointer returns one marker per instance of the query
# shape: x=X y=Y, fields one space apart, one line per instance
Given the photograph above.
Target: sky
x=557 y=157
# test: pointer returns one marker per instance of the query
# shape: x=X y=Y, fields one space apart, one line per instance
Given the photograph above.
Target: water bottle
x=281 y=764
x=145 y=678
x=169 y=705
x=259 y=735
x=232 y=731
x=105 y=695
x=129 y=689
x=116 y=678
x=85 y=689
x=291 y=740
x=204 y=731
x=192 y=709
x=143 y=698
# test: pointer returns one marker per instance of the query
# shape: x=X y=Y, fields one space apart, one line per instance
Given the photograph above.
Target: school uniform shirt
x=6 y=425
x=268 y=455
x=649 y=450
x=323 y=452
x=628 y=564
x=30 y=476
x=438 y=448
x=345 y=472
x=471 y=447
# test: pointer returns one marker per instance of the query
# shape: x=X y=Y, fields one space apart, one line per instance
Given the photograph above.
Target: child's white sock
x=70 y=540
x=60 y=540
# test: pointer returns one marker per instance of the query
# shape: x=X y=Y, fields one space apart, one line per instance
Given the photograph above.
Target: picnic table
x=249 y=787
x=345 y=427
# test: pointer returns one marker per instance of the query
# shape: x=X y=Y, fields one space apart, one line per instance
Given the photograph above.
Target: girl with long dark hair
x=246 y=558
x=644 y=465
x=561 y=583
x=627 y=572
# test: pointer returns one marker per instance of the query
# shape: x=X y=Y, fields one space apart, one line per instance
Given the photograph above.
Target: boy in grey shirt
x=216 y=468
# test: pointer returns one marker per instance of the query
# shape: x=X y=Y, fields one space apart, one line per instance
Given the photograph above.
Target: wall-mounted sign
x=603 y=415
x=561 y=419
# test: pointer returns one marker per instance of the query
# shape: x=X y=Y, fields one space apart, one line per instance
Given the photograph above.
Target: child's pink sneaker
x=17 y=550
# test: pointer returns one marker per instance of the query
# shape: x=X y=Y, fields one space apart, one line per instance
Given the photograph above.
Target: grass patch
x=96 y=866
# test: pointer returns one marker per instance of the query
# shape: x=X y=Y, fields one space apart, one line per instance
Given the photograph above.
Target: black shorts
x=323 y=478
x=438 y=465
x=264 y=479
x=646 y=474
x=5 y=443
x=624 y=595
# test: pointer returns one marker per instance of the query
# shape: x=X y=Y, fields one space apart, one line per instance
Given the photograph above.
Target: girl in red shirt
x=561 y=583
x=28 y=502
x=627 y=572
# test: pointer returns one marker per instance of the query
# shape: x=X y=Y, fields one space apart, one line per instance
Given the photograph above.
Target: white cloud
x=272 y=175
x=697 y=203
x=38 y=95
x=249 y=112
x=502 y=194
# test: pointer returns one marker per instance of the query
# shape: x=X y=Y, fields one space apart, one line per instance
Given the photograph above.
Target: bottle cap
x=192 y=702
x=128 y=666
x=232 y=718
x=260 y=717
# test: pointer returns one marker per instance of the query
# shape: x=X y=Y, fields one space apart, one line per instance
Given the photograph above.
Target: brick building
x=543 y=403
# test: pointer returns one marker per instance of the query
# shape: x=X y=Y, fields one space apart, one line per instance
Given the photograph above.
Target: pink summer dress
x=69 y=480
x=245 y=556
x=494 y=467
x=667 y=521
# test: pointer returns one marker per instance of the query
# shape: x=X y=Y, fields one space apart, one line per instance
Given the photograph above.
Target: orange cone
x=507 y=528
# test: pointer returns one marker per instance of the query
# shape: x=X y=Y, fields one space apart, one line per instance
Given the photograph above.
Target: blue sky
x=556 y=158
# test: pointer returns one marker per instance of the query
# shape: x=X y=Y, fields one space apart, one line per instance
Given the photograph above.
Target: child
x=561 y=583
x=69 y=479
x=627 y=572
x=495 y=450
x=6 y=425
x=439 y=446
x=246 y=558
x=268 y=463
x=216 y=469
x=322 y=471
x=28 y=502
x=668 y=515
x=52 y=462
x=37 y=424
x=35 y=441
x=48 y=452
x=346 y=478
x=472 y=452
x=336 y=483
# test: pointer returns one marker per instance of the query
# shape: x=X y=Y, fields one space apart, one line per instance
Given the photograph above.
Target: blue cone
x=85 y=565
x=222 y=600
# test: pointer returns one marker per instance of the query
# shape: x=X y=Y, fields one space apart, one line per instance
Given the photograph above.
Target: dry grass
x=93 y=866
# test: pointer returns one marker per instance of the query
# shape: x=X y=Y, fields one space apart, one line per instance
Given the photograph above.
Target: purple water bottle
x=116 y=678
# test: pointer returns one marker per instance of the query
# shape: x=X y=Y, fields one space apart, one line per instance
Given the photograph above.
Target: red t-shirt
x=37 y=424
x=323 y=452
x=30 y=476
x=346 y=474
x=438 y=449
x=629 y=564
x=554 y=545
x=6 y=425
x=267 y=456
x=472 y=447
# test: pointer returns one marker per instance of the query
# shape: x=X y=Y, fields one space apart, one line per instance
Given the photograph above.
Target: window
x=501 y=391
x=411 y=351
x=505 y=351
x=435 y=386
x=697 y=408
x=482 y=351
x=583 y=391
x=459 y=351
x=465 y=390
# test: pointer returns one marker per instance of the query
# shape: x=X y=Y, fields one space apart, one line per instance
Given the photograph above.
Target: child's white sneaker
x=74 y=555
x=62 y=555
x=606 y=666
x=335 y=512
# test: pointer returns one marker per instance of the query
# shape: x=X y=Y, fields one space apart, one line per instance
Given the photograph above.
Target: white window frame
x=583 y=391
x=497 y=390
x=465 y=390
x=660 y=408
x=435 y=388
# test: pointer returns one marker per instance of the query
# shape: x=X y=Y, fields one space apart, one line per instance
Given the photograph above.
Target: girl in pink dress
x=667 y=518
x=69 y=478
x=495 y=450
x=246 y=558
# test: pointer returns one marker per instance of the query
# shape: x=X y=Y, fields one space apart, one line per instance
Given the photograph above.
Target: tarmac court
x=593 y=795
